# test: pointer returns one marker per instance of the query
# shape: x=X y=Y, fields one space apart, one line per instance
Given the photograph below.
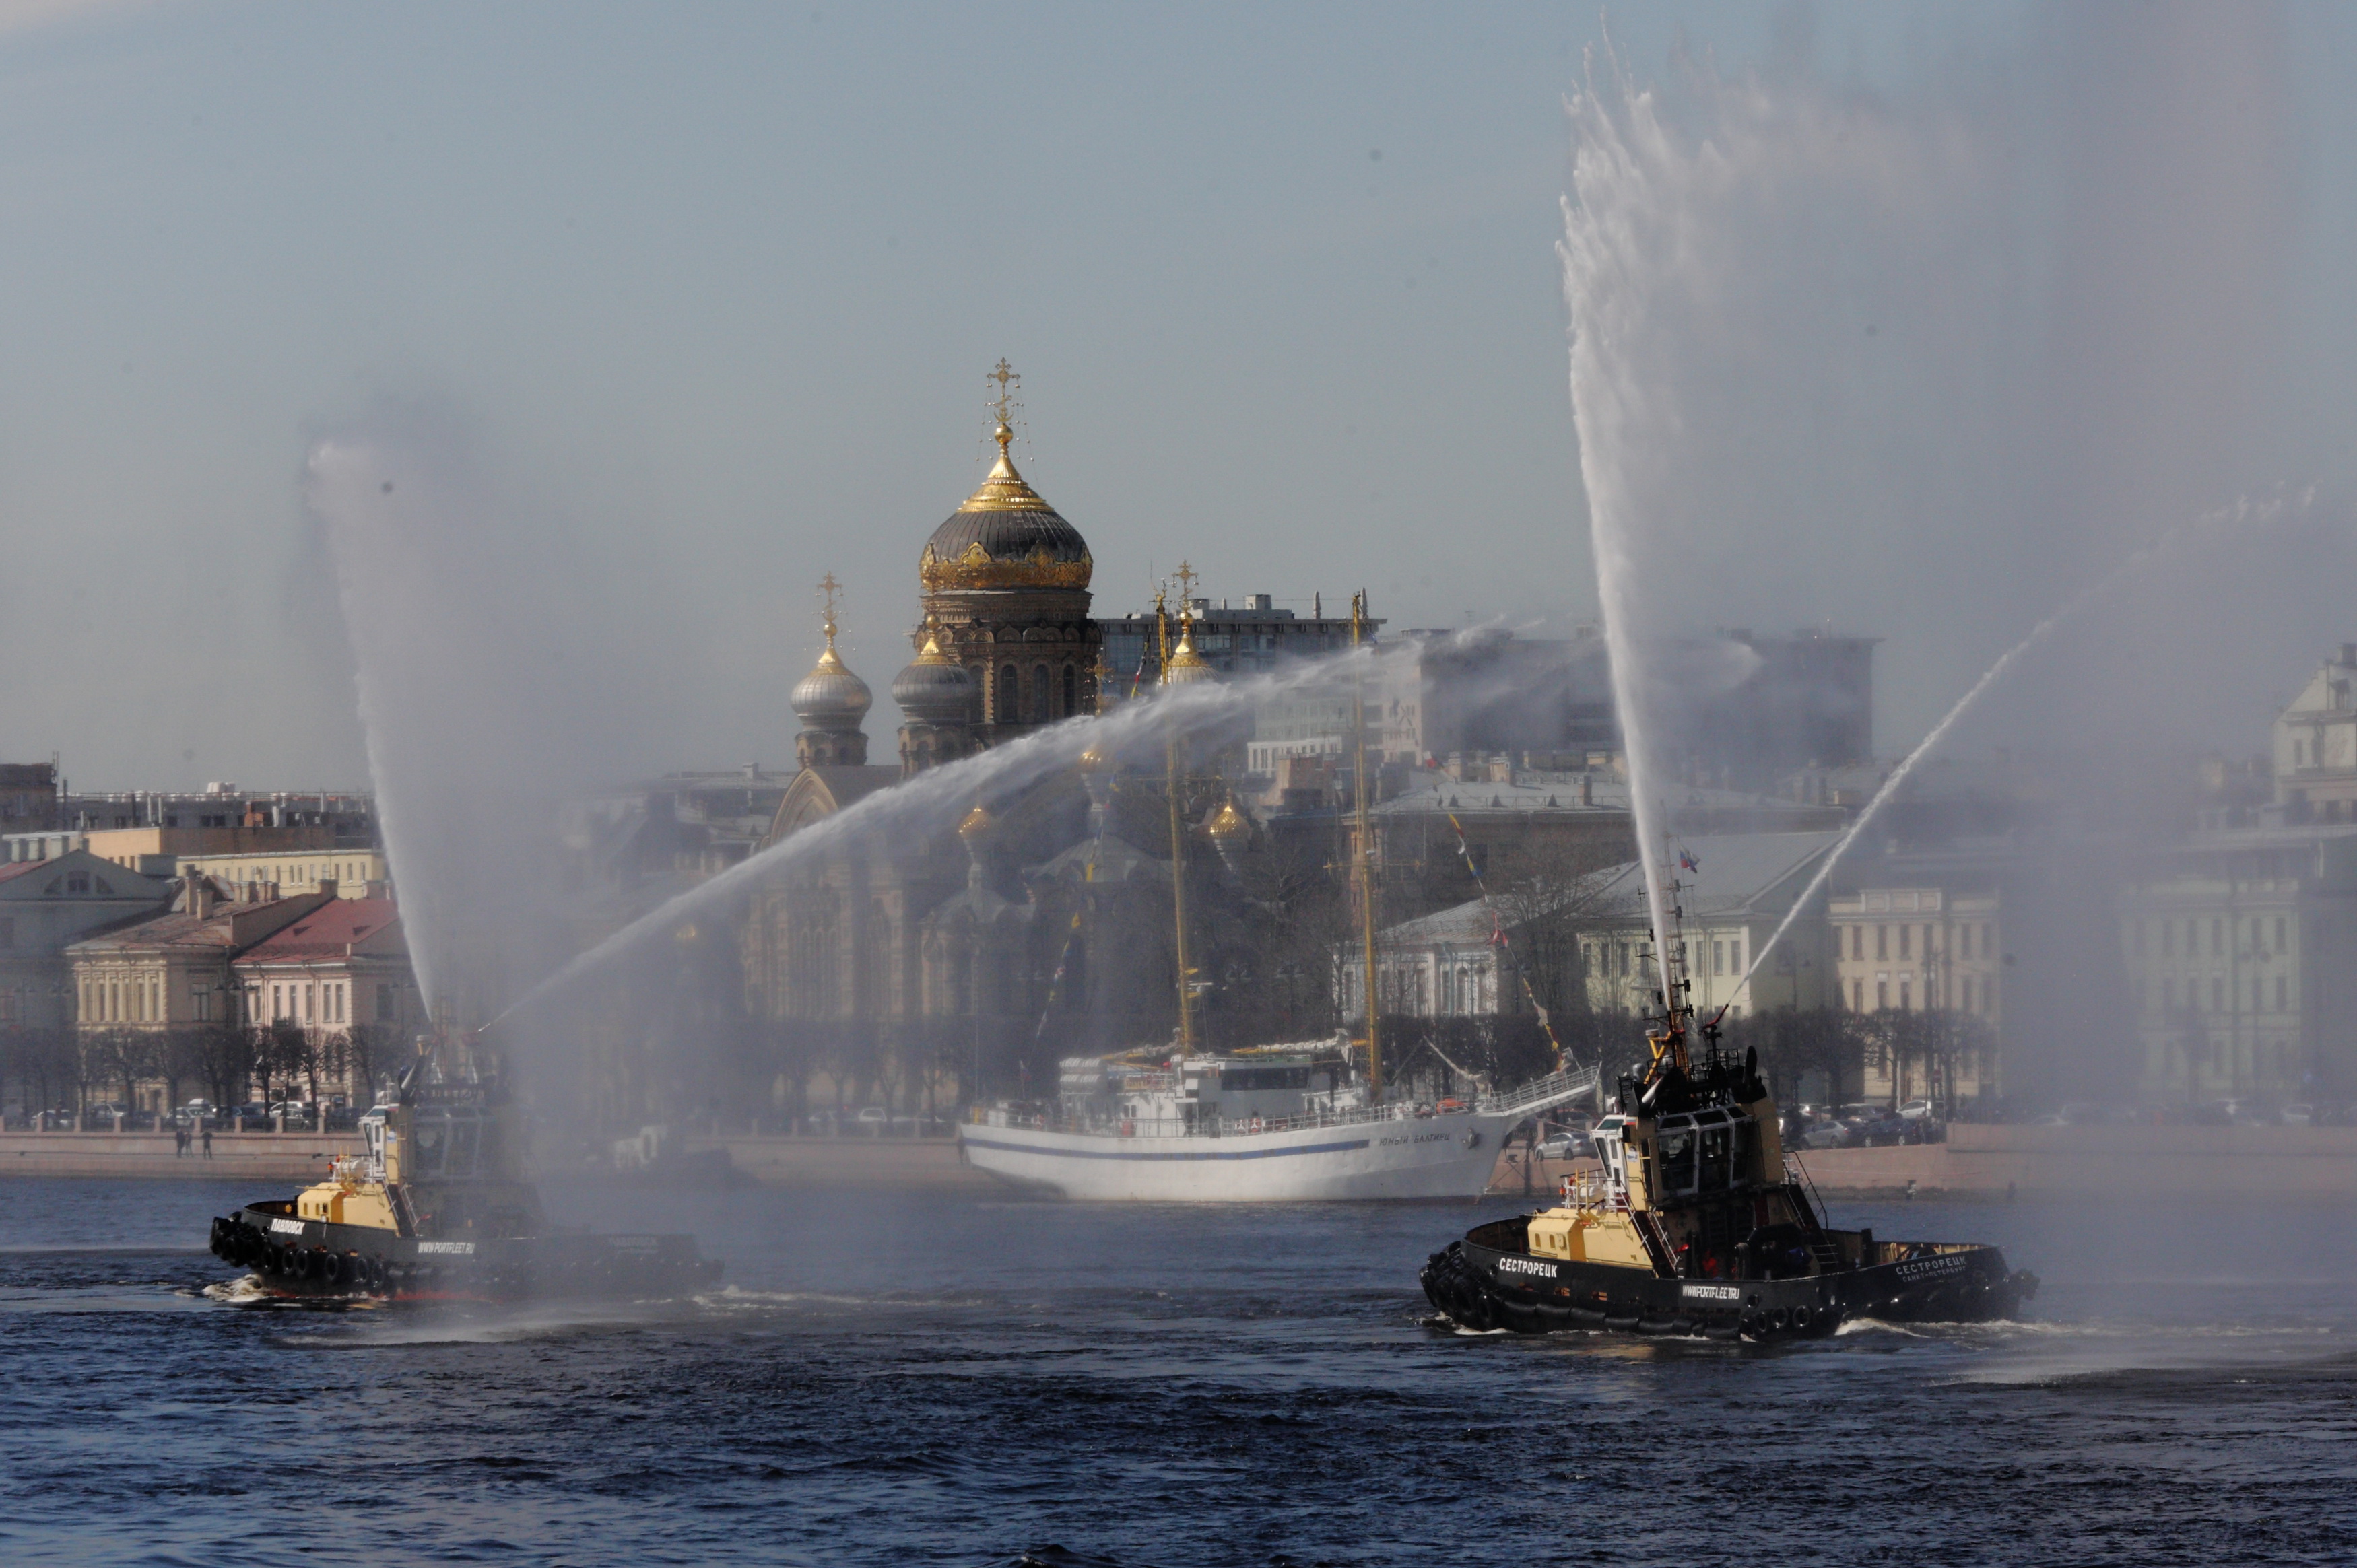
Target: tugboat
x=1696 y=1226
x=436 y=1209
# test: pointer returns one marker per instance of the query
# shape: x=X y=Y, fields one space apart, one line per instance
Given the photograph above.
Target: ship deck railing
x=1556 y=1089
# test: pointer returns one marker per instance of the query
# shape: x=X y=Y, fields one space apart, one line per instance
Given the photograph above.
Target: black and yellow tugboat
x=1696 y=1227
x=436 y=1209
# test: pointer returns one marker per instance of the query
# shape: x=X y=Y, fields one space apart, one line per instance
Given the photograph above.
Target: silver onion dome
x=936 y=689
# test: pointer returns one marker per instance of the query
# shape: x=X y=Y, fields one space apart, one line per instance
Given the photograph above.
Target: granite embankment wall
x=258 y=1157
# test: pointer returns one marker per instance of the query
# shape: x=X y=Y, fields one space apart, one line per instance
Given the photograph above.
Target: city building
x=1929 y=962
x=1483 y=688
x=356 y=871
x=1918 y=948
x=28 y=797
x=1524 y=824
x=1450 y=963
x=45 y=907
x=1739 y=891
x=173 y=968
x=1255 y=638
x=2316 y=746
x=341 y=965
x=2241 y=946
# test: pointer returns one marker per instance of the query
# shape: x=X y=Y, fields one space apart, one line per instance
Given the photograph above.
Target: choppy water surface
x=903 y=1381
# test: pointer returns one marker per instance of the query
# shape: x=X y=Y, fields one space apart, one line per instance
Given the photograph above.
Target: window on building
x=1881 y=995
x=1882 y=942
x=1857 y=941
x=1071 y=691
x=1968 y=995
x=1858 y=995
x=2279 y=935
x=1906 y=942
x=1906 y=987
x=2255 y=993
x=384 y=1004
x=2283 y=988
x=1007 y=688
x=1040 y=711
x=2217 y=938
x=7 y=931
x=2217 y=995
x=2169 y=938
x=1718 y=958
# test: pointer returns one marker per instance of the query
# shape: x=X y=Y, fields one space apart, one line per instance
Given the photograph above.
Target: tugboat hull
x=310 y=1258
x=1485 y=1288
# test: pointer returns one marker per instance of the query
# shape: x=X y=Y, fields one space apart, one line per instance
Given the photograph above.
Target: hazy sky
x=707 y=293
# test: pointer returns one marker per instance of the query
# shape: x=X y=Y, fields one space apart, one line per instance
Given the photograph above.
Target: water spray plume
x=2204 y=531
x=1605 y=283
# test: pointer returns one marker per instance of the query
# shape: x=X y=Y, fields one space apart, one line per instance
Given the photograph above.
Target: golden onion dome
x=1095 y=759
x=1228 y=825
x=936 y=689
x=831 y=697
x=1186 y=666
x=979 y=825
x=1005 y=536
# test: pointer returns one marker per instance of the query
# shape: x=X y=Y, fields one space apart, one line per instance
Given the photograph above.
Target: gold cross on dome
x=1004 y=374
x=1185 y=577
x=828 y=587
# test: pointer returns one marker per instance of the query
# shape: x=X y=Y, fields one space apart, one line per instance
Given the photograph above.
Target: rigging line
x=1504 y=944
x=1072 y=933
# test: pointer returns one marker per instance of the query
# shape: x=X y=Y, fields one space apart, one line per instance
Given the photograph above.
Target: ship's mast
x=1366 y=847
x=1178 y=847
x=1676 y=996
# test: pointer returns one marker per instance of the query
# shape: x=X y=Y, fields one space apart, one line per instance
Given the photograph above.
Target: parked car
x=1826 y=1134
x=1884 y=1130
x=1916 y=1111
x=1566 y=1145
x=2299 y=1115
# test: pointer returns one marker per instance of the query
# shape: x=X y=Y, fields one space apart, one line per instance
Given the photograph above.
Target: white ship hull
x=1407 y=1157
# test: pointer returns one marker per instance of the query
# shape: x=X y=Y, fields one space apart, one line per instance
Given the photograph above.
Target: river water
x=912 y=1380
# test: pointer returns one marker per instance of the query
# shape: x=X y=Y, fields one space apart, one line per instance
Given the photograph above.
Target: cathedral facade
x=893 y=968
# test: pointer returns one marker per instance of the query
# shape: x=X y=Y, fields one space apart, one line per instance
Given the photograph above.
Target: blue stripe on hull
x=1125 y=1155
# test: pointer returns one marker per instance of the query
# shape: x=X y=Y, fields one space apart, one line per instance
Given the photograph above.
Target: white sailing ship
x=1275 y=1125
x=1282 y=1123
